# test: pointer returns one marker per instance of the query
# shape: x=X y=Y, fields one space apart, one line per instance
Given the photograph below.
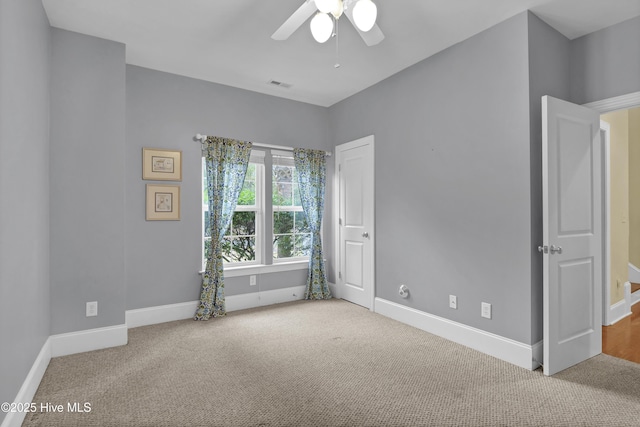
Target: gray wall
x=453 y=212
x=166 y=111
x=548 y=75
x=606 y=63
x=25 y=49
x=87 y=181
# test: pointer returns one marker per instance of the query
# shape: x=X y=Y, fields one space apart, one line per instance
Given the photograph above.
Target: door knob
x=543 y=249
x=365 y=234
x=555 y=249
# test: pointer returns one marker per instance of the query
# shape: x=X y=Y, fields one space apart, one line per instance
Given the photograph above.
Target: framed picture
x=161 y=165
x=163 y=202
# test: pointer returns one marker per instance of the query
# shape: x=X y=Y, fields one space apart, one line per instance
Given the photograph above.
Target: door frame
x=606 y=218
x=370 y=140
x=622 y=102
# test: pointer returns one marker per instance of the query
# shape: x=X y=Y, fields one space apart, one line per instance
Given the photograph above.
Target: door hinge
x=339 y=221
x=339 y=275
x=339 y=167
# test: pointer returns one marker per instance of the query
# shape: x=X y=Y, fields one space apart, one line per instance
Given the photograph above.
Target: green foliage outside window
x=291 y=236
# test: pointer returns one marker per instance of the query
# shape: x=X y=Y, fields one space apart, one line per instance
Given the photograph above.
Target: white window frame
x=257 y=158
x=283 y=158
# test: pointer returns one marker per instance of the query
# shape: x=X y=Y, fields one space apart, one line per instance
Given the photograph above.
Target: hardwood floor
x=622 y=339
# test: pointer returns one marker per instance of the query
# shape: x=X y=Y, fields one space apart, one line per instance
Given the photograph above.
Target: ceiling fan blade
x=371 y=37
x=295 y=21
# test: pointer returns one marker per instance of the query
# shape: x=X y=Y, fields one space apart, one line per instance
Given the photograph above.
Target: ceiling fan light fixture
x=365 y=13
x=337 y=12
x=321 y=27
x=327 y=6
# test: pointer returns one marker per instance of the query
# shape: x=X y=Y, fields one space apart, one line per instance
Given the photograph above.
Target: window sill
x=247 y=270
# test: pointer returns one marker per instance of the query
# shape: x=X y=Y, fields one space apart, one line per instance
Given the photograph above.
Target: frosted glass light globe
x=321 y=27
x=326 y=6
x=364 y=14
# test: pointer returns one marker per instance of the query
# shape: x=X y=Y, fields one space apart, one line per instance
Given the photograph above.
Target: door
x=572 y=234
x=355 y=166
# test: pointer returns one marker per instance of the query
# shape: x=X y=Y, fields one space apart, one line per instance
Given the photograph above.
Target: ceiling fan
x=361 y=13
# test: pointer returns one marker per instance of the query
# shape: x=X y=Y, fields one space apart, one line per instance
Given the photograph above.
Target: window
x=291 y=235
x=248 y=234
x=243 y=240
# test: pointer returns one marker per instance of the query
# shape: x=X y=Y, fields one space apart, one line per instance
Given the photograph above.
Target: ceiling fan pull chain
x=337 y=64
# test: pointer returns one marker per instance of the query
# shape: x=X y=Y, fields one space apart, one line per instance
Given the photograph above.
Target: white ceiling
x=229 y=42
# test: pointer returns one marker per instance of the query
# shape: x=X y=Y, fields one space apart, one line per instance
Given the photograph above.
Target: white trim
x=606 y=212
x=186 y=310
x=370 y=141
x=335 y=290
x=160 y=314
x=288 y=154
x=88 y=340
x=634 y=274
x=276 y=267
x=622 y=102
x=538 y=354
x=494 y=345
x=278 y=296
x=30 y=385
x=622 y=308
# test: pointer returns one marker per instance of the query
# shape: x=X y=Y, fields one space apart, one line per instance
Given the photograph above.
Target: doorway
x=568 y=128
x=355 y=237
x=621 y=320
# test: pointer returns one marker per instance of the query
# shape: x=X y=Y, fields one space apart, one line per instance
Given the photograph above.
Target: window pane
x=205 y=191
x=243 y=224
x=282 y=222
x=301 y=223
x=296 y=191
x=239 y=249
x=207 y=247
x=282 y=246
x=207 y=230
x=302 y=245
x=282 y=194
x=283 y=173
x=248 y=193
x=282 y=185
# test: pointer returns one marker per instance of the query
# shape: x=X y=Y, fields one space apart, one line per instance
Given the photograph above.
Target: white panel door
x=354 y=163
x=572 y=234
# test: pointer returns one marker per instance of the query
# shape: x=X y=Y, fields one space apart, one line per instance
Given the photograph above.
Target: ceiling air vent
x=279 y=84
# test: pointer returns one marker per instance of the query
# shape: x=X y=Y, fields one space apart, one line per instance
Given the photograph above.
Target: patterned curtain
x=310 y=165
x=227 y=162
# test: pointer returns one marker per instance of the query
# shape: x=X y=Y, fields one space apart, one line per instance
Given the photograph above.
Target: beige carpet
x=324 y=363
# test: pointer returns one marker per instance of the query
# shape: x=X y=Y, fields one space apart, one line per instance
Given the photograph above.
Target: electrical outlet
x=453 y=302
x=486 y=310
x=92 y=308
x=252 y=280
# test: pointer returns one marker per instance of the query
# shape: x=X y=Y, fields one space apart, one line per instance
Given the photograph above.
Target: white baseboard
x=278 y=296
x=160 y=314
x=186 y=310
x=88 y=340
x=621 y=309
x=335 y=290
x=494 y=345
x=30 y=385
x=538 y=354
